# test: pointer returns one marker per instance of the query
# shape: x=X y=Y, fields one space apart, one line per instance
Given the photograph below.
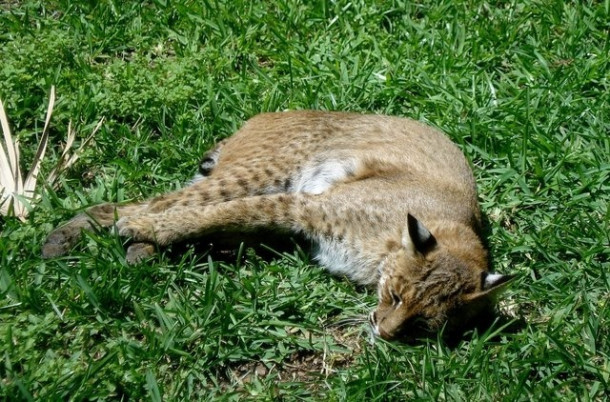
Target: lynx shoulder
x=386 y=201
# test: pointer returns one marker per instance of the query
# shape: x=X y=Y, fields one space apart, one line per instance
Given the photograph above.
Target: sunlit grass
x=522 y=87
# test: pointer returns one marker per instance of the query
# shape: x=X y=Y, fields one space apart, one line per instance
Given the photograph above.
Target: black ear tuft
x=419 y=236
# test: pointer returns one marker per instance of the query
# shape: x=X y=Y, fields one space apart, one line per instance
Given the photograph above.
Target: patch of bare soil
x=304 y=366
x=7 y=4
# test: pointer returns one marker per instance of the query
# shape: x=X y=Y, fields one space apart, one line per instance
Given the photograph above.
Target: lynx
x=385 y=201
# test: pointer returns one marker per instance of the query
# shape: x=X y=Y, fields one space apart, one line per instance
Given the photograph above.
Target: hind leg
x=61 y=240
x=277 y=212
x=218 y=182
x=210 y=190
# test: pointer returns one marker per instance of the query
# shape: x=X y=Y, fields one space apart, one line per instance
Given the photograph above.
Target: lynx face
x=425 y=286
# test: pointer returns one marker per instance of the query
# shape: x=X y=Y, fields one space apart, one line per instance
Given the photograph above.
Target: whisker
x=348 y=321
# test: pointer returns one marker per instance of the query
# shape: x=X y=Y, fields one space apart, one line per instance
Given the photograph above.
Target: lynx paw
x=57 y=244
x=138 y=252
x=138 y=228
x=61 y=240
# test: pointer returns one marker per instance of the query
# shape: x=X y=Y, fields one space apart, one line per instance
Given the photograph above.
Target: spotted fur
x=386 y=201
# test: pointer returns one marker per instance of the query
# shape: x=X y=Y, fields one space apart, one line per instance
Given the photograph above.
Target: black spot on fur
x=243 y=183
x=206 y=166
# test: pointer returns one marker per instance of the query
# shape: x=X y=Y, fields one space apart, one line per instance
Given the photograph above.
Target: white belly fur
x=318 y=177
x=336 y=256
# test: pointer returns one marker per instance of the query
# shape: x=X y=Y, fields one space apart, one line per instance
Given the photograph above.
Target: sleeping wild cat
x=386 y=201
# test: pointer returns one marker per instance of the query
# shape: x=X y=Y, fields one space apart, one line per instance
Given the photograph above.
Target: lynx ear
x=491 y=286
x=495 y=282
x=416 y=237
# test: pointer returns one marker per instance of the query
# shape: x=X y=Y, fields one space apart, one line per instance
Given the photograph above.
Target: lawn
x=523 y=87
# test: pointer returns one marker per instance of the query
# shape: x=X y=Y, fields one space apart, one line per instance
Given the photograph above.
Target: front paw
x=138 y=228
x=62 y=239
x=138 y=252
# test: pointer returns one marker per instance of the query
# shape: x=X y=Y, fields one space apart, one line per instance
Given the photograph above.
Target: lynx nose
x=384 y=335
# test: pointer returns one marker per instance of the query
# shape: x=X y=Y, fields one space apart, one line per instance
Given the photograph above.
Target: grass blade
x=8 y=182
x=67 y=160
x=152 y=386
x=11 y=154
x=30 y=181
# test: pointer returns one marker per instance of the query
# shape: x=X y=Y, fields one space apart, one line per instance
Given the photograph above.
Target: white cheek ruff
x=341 y=259
x=382 y=276
x=337 y=258
x=374 y=335
x=373 y=329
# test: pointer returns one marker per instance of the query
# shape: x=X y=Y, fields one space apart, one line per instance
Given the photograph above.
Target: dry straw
x=16 y=196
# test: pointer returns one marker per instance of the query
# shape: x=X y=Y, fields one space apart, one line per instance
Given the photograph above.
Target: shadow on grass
x=230 y=248
x=490 y=326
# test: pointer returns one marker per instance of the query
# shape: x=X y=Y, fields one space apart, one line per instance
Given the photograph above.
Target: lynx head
x=429 y=283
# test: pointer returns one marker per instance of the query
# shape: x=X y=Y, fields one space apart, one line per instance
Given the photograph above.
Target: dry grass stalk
x=16 y=196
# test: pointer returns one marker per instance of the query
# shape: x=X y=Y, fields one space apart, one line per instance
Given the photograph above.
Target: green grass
x=523 y=87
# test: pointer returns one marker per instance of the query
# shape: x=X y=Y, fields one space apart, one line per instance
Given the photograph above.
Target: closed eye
x=396 y=300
